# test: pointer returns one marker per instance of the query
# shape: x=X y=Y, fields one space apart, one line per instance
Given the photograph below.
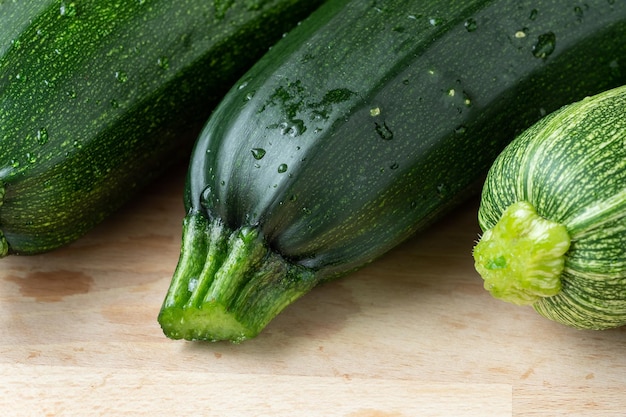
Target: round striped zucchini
x=553 y=212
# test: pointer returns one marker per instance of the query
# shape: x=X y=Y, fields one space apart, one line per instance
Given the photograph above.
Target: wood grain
x=414 y=333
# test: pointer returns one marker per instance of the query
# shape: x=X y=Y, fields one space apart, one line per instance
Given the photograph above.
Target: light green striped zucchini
x=553 y=212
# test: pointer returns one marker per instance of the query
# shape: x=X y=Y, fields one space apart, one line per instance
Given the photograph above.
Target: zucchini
x=98 y=97
x=553 y=211
x=363 y=125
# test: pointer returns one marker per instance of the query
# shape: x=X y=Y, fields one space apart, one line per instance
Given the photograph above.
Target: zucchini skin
x=97 y=98
x=570 y=167
x=364 y=125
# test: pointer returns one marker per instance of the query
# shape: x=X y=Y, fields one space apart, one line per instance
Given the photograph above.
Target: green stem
x=228 y=284
x=522 y=258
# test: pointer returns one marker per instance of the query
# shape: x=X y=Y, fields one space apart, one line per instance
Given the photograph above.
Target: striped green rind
x=372 y=119
x=571 y=167
x=98 y=97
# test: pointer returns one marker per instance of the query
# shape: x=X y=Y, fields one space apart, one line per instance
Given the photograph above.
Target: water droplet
x=545 y=45
x=282 y=168
x=121 y=76
x=383 y=131
x=375 y=112
x=258 y=153
x=15 y=163
x=578 y=11
x=467 y=100
x=115 y=104
x=520 y=34
x=533 y=14
x=435 y=21
x=42 y=136
x=293 y=128
x=163 y=63
x=395 y=165
x=442 y=190
x=207 y=195
x=67 y=9
x=460 y=130
x=242 y=85
x=470 y=25
x=71 y=94
x=249 y=96
x=192 y=284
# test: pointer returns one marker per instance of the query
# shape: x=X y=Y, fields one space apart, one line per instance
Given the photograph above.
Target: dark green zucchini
x=97 y=97
x=553 y=212
x=365 y=124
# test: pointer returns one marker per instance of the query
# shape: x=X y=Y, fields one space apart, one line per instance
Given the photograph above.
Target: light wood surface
x=412 y=334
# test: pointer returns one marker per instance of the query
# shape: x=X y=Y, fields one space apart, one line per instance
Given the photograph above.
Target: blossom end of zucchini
x=521 y=259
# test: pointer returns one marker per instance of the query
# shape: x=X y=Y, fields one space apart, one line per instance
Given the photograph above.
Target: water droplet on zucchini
x=470 y=25
x=460 y=130
x=282 y=168
x=435 y=21
x=383 y=131
x=163 y=63
x=67 y=9
x=292 y=128
x=578 y=11
x=42 y=136
x=121 y=76
x=545 y=45
x=258 y=153
x=442 y=190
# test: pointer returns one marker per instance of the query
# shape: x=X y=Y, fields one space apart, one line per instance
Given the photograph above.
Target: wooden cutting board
x=413 y=334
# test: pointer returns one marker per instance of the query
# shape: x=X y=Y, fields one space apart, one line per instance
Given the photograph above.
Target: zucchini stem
x=228 y=284
x=522 y=257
